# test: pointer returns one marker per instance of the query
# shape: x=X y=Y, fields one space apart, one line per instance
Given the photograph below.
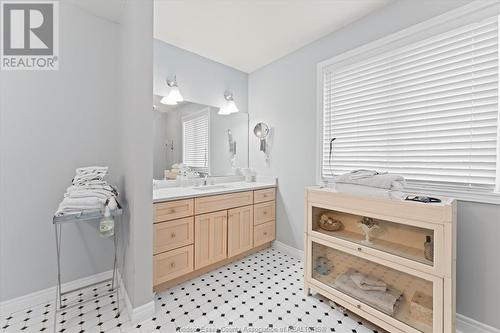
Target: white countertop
x=175 y=193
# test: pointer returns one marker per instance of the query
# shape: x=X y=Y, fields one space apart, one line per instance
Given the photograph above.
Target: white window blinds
x=195 y=141
x=428 y=111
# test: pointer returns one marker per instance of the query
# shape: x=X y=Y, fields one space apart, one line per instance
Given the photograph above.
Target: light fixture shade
x=229 y=106
x=223 y=111
x=173 y=97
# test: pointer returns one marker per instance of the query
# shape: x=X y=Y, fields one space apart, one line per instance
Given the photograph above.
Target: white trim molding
x=49 y=294
x=468 y=325
x=139 y=313
x=296 y=253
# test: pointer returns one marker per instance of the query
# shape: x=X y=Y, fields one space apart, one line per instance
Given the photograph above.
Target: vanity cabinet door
x=240 y=230
x=210 y=238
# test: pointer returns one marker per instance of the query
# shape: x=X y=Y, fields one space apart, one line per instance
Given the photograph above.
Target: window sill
x=471 y=196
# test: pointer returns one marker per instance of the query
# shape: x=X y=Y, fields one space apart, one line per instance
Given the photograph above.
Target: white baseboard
x=468 y=325
x=135 y=314
x=299 y=254
x=49 y=294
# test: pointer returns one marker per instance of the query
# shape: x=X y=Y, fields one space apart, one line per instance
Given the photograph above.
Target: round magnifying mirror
x=261 y=130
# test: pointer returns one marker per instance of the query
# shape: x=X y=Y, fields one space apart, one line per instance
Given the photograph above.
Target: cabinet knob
x=360 y=249
x=358 y=306
x=172 y=264
x=265 y=212
x=265 y=233
x=172 y=235
x=172 y=210
x=265 y=195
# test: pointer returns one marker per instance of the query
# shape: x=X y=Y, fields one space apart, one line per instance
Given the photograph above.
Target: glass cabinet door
x=407 y=298
x=401 y=240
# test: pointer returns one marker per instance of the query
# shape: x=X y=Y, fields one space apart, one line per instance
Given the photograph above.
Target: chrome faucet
x=205 y=178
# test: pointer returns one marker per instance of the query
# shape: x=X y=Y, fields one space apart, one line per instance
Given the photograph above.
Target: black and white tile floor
x=260 y=293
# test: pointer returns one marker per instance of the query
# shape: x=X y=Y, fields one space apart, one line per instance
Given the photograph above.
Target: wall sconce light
x=229 y=107
x=174 y=95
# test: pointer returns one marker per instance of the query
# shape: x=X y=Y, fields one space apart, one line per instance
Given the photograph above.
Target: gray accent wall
x=283 y=94
x=96 y=110
x=135 y=104
x=201 y=80
x=51 y=123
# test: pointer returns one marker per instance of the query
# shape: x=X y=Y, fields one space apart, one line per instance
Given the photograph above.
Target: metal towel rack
x=58 y=221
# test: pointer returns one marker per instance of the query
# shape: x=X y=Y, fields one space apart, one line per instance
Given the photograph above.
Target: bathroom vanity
x=392 y=262
x=200 y=229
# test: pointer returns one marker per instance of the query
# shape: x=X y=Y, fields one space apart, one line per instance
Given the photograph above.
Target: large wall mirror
x=197 y=136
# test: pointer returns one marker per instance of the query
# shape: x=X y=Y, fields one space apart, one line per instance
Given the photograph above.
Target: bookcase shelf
x=416 y=288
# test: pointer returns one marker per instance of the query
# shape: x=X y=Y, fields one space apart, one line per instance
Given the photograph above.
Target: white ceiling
x=248 y=34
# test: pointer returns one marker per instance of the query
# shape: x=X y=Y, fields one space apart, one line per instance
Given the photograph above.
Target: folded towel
x=88 y=192
x=367 y=282
x=386 y=301
x=94 y=173
x=372 y=178
x=370 y=191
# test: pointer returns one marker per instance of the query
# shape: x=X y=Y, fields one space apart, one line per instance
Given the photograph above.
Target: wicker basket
x=329 y=224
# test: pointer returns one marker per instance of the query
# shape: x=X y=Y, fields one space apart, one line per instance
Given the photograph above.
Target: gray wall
x=283 y=94
x=51 y=123
x=136 y=72
x=200 y=80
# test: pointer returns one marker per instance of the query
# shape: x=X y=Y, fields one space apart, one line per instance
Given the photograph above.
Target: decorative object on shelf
x=429 y=248
x=322 y=265
x=368 y=225
x=421 y=308
x=329 y=224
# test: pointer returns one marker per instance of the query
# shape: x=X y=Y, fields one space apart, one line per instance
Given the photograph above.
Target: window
x=427 y=110
x=195 y=141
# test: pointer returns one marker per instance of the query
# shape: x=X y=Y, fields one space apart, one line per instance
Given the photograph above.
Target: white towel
x=88 y=192
x=370 y=191
x=372 y=178
x=367 y=282
x=386 y=301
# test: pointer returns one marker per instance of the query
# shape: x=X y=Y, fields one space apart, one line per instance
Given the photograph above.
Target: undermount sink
x=210 y=187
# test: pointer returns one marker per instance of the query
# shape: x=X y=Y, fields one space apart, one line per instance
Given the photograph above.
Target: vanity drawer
x=264 y=212
x=173 y=234
x=171 y=210
x=221 y=202
x=264 y=233
x=172 y=264
x=264 y=195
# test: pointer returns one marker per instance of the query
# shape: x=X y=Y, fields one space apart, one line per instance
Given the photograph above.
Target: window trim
x=474 y=11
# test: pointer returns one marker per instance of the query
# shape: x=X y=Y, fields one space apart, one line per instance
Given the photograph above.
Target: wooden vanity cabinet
x=210 y=232
x=239 y=230
x=194 y=236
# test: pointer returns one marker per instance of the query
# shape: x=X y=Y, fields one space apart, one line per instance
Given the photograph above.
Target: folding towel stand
x=58 y=221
